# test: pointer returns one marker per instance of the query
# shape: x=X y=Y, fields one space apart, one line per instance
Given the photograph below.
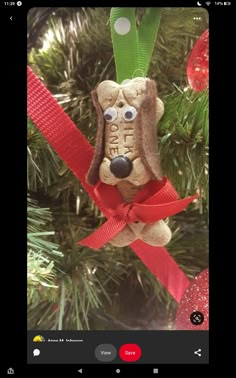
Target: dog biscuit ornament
x=126 y=149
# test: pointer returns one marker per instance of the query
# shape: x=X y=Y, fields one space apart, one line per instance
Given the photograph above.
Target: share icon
x=198 y=352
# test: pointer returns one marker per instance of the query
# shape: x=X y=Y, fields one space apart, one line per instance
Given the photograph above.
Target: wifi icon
x=208 y=3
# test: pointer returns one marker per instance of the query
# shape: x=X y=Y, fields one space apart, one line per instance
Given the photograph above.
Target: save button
x=130 y=352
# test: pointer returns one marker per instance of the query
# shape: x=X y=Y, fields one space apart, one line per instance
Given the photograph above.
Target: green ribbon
x=133 y=46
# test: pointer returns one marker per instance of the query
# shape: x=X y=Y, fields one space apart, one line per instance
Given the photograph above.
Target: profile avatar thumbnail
x=38 y=339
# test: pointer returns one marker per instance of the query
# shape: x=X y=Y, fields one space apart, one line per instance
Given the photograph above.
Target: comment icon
x=36 y=352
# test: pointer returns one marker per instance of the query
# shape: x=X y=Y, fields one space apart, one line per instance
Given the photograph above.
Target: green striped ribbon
x=133 y=46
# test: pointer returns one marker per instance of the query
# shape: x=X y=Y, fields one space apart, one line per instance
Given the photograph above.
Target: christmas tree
x=73 y=287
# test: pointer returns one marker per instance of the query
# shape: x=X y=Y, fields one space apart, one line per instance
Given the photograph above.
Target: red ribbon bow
x=157 y=200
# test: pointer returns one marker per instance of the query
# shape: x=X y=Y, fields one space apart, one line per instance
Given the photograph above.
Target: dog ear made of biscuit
x=93 y=173
x=147 y=129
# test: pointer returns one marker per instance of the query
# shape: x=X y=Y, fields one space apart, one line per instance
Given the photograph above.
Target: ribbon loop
x=133 y=46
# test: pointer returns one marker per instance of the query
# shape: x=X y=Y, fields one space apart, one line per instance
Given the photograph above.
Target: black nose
x=121 y=166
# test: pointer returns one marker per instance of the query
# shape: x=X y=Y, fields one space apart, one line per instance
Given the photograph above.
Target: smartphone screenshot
x=116 y=190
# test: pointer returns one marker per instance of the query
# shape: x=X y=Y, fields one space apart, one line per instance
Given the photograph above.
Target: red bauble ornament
x=194 y=300
x=198 y=64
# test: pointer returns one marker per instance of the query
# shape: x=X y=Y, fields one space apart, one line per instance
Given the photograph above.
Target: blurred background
x=72 y=287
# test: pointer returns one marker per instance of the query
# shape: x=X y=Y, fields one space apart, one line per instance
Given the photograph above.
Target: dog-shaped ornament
x=126 y=149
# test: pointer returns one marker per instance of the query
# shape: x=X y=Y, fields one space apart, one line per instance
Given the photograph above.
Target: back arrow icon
x=11 y=18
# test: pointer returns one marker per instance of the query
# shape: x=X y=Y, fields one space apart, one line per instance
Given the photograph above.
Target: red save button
x=130 y=352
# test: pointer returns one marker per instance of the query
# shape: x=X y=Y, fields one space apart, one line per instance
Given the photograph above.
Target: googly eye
x=110 y=114
x=129 y=113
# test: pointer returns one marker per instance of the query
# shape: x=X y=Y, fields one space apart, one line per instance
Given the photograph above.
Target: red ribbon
x=162 y=201
x=74 y=149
